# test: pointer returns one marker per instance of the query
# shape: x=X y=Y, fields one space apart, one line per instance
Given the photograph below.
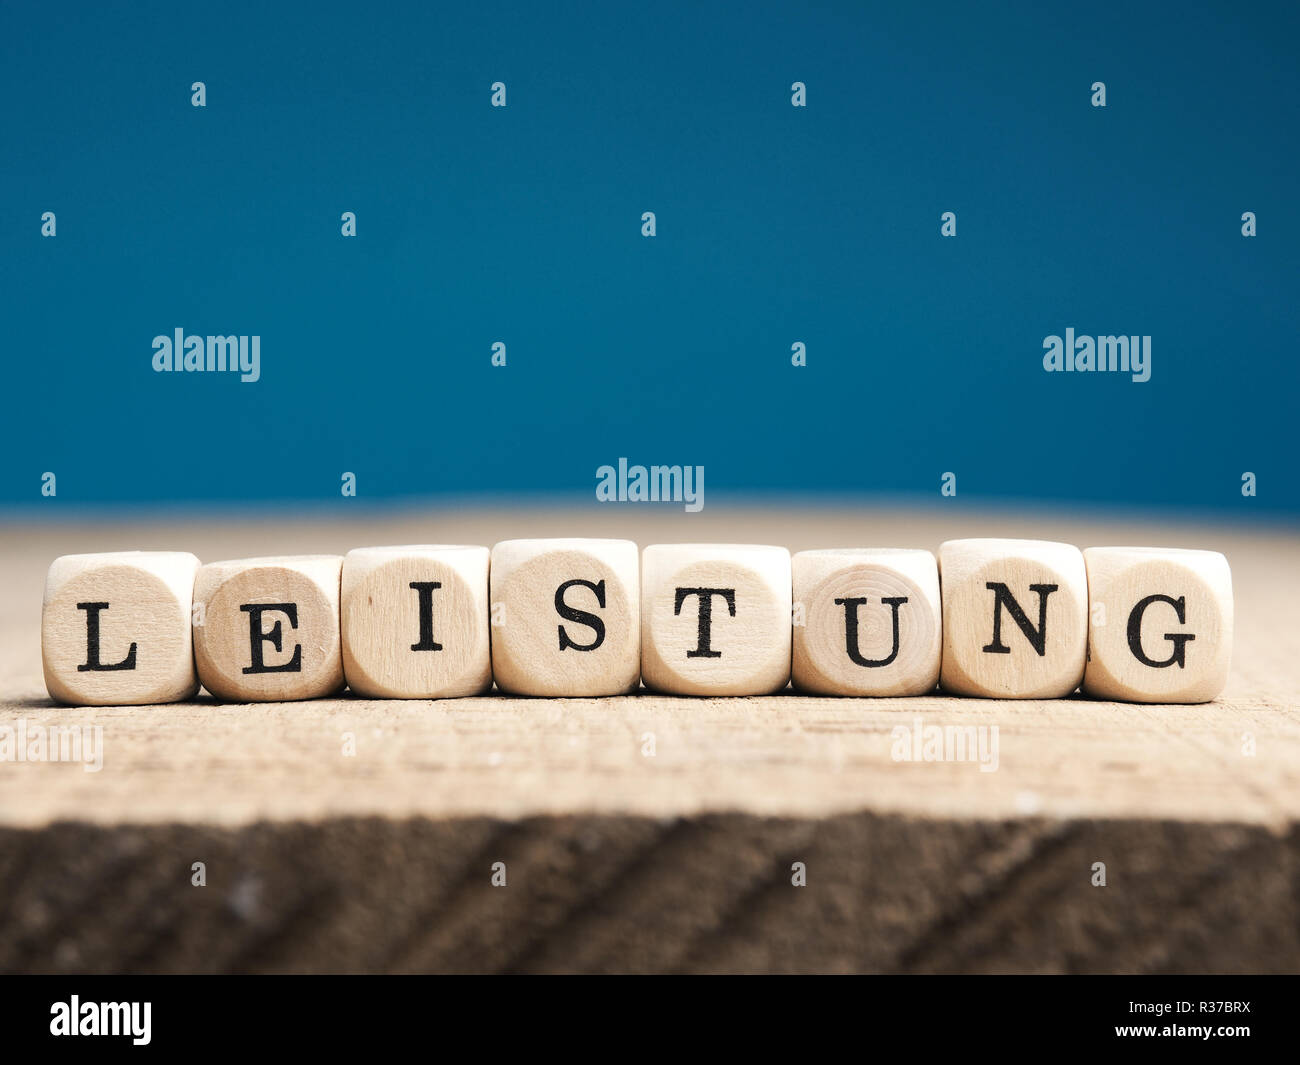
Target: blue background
x=775 y=224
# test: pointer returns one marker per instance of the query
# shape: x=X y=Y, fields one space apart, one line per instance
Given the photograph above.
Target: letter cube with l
x=1159 y=624
x=1015 y=618
x=566 y=617
x=415 y=622
x=866 y=621
x=267 y=629
x=115 y=628
x=715 y=618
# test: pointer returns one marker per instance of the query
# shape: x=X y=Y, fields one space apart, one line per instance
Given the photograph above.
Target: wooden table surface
x=649 y=833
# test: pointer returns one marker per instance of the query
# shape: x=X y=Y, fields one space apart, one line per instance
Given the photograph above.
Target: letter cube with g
x=269 y=628
x=1015 y=618
x=715 y=619
x=1160 y=624
x=415 y=622
x=115 y=628
x=566 y=617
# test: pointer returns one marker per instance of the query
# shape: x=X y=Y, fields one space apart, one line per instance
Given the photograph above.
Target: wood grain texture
x=269 y=628
x=715 y=619
x=414 y=621
x=1159 y=624
x=538 y=651
x=867 y=622
x=1015 y=618
x=127 y=615
x=654 y=833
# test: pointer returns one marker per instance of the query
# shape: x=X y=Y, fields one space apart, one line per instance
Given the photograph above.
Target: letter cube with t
x=715 y=619
x=566 y=617
x=1015 y=618
x=267 y=629
x=115 y=628
x=415 y=622
x=866 y=622
x=1159 y=624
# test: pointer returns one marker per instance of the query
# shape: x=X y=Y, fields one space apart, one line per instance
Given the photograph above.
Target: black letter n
x=1002 y=597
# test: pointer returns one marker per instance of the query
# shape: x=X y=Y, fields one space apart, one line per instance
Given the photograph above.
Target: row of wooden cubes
x=582 y=617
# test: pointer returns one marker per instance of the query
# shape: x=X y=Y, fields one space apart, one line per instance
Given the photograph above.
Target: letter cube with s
x=267 y=629
x=566 y=617
x=866 y=622
x=415 y=622
x=715 y=619
x=1159 y=624
x=115 y=628
x=1015 y=618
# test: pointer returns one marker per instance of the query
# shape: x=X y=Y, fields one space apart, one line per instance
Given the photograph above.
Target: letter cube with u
x=866 y=622
x=1015 y=618
x=415 y=622
x=566 y=617
x=268 y=628
x=1159 y=625
x=115 y=628
x=715 y=618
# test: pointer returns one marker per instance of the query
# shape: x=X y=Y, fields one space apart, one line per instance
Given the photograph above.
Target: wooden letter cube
x=115 y=628
x=267 y=629
x=415 y=622
x=1159 y=624
x=866 y=622
x=566 y=617
x=1015 y=618
x=715 y=619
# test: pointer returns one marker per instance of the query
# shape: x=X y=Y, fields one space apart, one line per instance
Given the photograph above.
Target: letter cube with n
x=715 y=619
x=866 y=622
x=565 y=617
x=115 y=628
x=1159 y=624
x=267 y=629
x=1015 y=618
x=415 y=622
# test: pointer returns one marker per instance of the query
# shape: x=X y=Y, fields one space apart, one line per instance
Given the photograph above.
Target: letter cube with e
x=1015 y=618
x=715 y=619
x=415 y=622
x=866 y=621
x=267 y=629
x=1159 y=624
x=566 y=617
x=115 y=628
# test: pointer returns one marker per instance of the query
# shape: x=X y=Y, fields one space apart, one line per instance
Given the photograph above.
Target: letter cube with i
x=1159 y=624
x=1015 y=618
x=115 y=628
x=566 y=617
x=715 y=619
x=415 y=622
x=866 y=622
x=267 y=629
